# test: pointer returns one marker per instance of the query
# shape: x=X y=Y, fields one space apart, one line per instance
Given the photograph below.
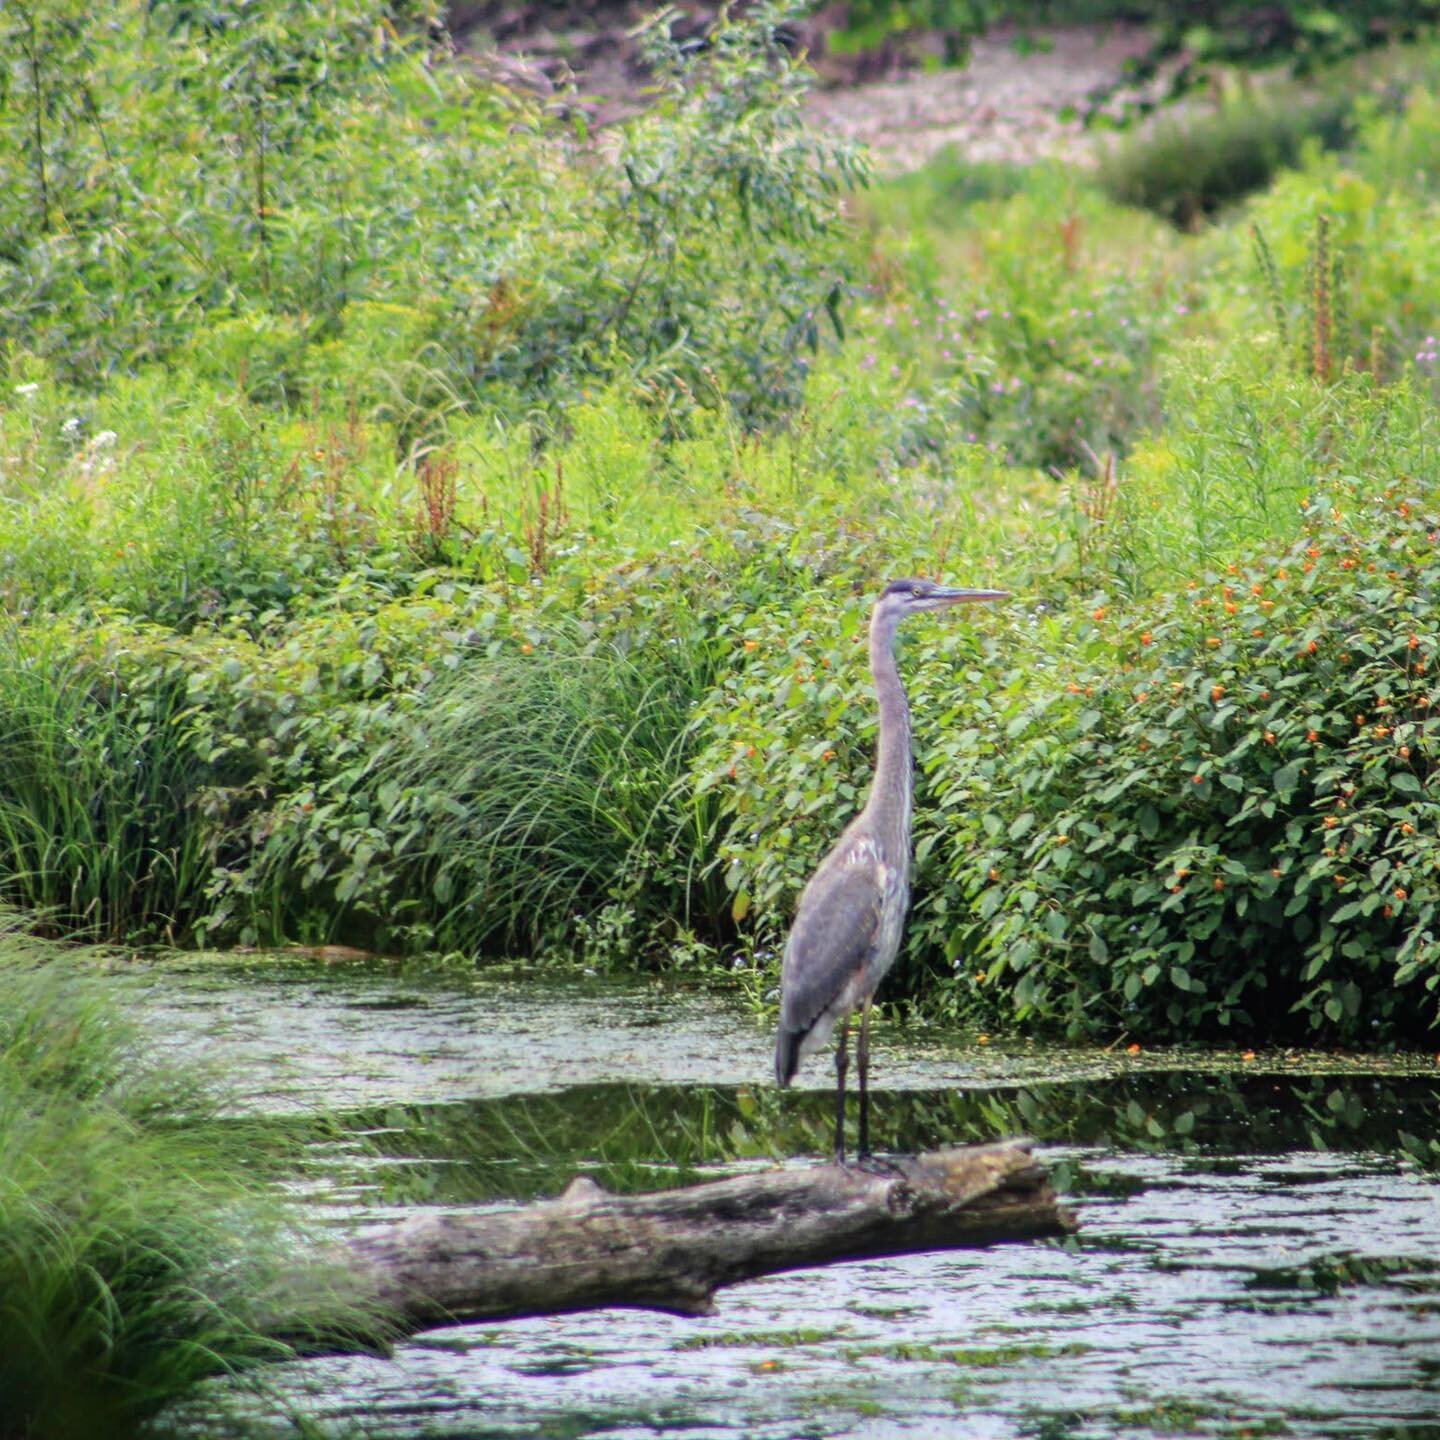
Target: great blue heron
x=848 y=924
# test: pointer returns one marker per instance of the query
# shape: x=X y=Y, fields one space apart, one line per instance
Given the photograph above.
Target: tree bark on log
x=671 y=1250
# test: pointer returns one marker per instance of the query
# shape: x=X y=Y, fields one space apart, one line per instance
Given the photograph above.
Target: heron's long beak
x=951 y=596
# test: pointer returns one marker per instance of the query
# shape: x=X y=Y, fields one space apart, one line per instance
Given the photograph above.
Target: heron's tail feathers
x=787 y=1055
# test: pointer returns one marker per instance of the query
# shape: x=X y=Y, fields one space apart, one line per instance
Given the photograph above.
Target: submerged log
x=671 y=1250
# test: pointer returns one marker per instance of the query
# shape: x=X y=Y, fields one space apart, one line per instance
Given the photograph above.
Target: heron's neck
x=890 y=796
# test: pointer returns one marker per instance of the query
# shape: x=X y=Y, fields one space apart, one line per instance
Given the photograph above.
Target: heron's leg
x=842 y=1063
x=862 y=1065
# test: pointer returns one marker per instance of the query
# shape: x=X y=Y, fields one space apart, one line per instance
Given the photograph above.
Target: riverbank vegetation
x=425 y=525
x=139 y=1250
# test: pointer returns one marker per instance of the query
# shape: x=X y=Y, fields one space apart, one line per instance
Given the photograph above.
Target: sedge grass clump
x=542 y=785
x=138 y=1253
x=99 y=835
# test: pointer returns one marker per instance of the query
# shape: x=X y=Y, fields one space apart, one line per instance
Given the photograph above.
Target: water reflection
x=630 y=1137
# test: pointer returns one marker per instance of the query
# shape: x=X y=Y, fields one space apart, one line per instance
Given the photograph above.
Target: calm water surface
x=1259 y=1254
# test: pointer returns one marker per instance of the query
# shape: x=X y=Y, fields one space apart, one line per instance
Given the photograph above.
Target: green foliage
x=1226 y=814
x=460 y=599
x=336 y=173
x=561 y=791
x=97 y=831
x=136 y=1251
x=1201 y=809
x=1203 y=35
x=1189 y=169
x=1035 y=319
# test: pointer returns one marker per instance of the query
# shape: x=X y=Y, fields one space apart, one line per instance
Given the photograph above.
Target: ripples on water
x=1257 y=1254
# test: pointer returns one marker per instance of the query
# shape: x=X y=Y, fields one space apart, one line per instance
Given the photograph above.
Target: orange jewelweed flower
x=1248 y=1055
x=527 y=648
x=1269 y=737
x=752 y=644
x=1098 y=613
x=1219 y=883
x=1213 y=642
x=1313 y=736
x=1132 y=1049
x=1399 y=892
x=1197 y=779
x=1146 y=638
x=1311 y=648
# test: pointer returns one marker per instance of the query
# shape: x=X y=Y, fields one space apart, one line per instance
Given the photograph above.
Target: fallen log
x=671 y=1250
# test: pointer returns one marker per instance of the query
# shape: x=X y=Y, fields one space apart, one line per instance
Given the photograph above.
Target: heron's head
x=907 y=597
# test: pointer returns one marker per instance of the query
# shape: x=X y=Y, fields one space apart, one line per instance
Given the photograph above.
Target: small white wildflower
x=29 y=389
x=104 y=440
x=70 y=426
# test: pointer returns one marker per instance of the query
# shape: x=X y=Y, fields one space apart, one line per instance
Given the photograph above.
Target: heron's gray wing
x=837 y=927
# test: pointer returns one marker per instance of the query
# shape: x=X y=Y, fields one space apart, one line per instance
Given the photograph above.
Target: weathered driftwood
x=672 y=1250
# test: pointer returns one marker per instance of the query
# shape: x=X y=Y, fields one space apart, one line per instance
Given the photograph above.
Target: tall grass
x=98 y=834
x=136 y=1253
x=552 y=785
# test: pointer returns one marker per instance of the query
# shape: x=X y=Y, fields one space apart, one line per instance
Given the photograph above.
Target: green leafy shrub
x=338 y=167
x=1188 y=169
x=1200 y=810
x=1234 y=825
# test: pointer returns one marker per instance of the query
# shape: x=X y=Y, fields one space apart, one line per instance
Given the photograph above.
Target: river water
x=1259 y=1253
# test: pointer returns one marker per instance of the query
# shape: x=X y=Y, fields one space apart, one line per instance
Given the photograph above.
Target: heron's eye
x=917 y=589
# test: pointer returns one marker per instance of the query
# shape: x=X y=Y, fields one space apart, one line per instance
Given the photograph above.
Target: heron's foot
x=879 y=1165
